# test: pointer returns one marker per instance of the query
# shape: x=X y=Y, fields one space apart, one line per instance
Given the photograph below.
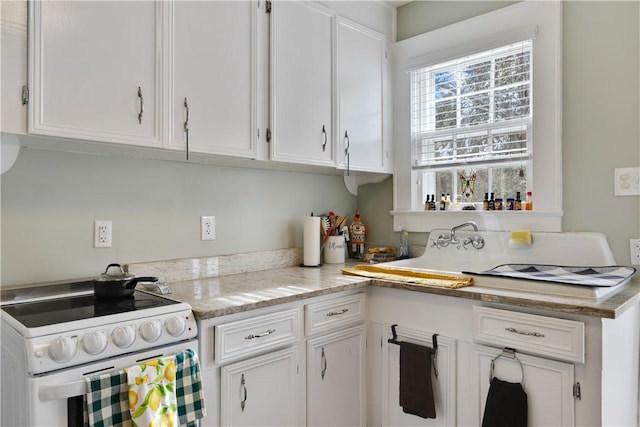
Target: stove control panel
x=91 y=344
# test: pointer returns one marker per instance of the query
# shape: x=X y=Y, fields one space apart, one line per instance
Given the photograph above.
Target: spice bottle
x=492 y=203
x=510 y=203
x=518 y=203
x=432 y=203
x=485 y=202
x=529 y=203
x=442 y=202
x=427 y=205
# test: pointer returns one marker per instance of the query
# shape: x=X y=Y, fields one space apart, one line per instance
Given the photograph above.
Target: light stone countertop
x=217 y=286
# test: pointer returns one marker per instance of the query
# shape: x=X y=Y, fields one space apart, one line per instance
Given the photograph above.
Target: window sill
x=425 y=221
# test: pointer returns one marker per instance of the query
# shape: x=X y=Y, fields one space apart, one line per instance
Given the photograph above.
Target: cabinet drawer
x=335 y=313
x=258 y=334
x=545 y=336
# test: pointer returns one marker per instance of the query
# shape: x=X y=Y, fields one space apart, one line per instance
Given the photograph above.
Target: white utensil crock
x=334 y=250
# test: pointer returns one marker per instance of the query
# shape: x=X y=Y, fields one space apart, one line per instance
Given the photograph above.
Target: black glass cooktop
x=60 y=310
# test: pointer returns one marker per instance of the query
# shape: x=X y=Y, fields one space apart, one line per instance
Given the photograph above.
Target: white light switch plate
x=627 y=181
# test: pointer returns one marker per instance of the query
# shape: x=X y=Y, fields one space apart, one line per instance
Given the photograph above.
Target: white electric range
x=55 y=336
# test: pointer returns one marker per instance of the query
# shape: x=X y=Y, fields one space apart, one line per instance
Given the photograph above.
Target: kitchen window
x=479 y=111
x=471 y=125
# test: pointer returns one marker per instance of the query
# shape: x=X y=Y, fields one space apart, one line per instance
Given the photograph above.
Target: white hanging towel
x=152 y=392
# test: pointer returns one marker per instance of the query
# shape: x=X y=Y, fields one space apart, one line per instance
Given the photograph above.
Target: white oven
x=51 y=344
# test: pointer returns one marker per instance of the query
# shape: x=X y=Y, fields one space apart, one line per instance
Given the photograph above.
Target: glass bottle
x=518 y=203
x=485 y=202
x=404 y=243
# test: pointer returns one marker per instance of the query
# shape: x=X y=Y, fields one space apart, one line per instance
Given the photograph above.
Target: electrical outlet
x=102 y=234
x=635 y=251
x=627 y=181
x=207 y=228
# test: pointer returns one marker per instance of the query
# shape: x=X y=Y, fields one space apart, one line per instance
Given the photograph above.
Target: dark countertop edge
x=552 y=303
x=521 y=299
x=203 y=314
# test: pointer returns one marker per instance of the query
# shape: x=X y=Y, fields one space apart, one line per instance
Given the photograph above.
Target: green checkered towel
x=189 y=388
x=108 y=401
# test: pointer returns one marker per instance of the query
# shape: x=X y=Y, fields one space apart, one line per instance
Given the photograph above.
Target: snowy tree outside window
x=472 y=117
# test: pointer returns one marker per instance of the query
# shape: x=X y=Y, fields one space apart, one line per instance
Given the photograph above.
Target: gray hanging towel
x=416 y=390
x=506 y=405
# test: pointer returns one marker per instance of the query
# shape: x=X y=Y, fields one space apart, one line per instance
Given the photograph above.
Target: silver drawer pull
x=337 y=313
x=243 y=387
x=141 y=105
x=529 y=334
x=263 y=334
x=323 y=364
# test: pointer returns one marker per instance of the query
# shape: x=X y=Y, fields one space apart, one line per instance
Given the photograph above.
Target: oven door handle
x=62 y=391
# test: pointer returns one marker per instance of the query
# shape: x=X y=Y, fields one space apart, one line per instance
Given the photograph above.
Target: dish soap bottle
x=404 y=244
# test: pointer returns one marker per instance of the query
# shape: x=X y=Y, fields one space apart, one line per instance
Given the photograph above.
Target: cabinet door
x=360 y=53
x=94 y=70
x=13 y=51
x=263 y=391
x=336 y=379
x=548 y=384
x=444 y=384
x=301 y=83
x=213 y=60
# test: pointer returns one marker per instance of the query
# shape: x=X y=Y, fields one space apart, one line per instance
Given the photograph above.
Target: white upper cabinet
x=13 y=52
x=359 y=113
x=213 y=70
x=94 y=70
x=301 y=83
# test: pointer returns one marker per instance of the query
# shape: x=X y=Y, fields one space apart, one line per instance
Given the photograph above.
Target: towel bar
x=434 y=342
x=508 y=353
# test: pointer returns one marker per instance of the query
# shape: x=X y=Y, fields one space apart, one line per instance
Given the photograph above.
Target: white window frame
x=539 y=20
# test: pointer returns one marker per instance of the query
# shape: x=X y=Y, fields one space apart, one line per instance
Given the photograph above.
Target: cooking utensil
x=115 y=283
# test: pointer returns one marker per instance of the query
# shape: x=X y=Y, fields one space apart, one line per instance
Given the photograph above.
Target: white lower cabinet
x=547 y=383
x=336 y=379
x=336 y=368
x=575 y=369
x=443 y=383
x=262 y=391
x=258 y=366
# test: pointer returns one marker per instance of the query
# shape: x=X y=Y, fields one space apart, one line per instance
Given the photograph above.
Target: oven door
x=56 y=398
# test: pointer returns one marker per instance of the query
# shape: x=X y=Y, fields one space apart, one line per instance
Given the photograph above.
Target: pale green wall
x=420 y=16
x=601 y=117
x=50 y=200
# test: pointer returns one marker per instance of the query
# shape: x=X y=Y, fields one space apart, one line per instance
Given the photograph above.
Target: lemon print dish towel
x=152 y=393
